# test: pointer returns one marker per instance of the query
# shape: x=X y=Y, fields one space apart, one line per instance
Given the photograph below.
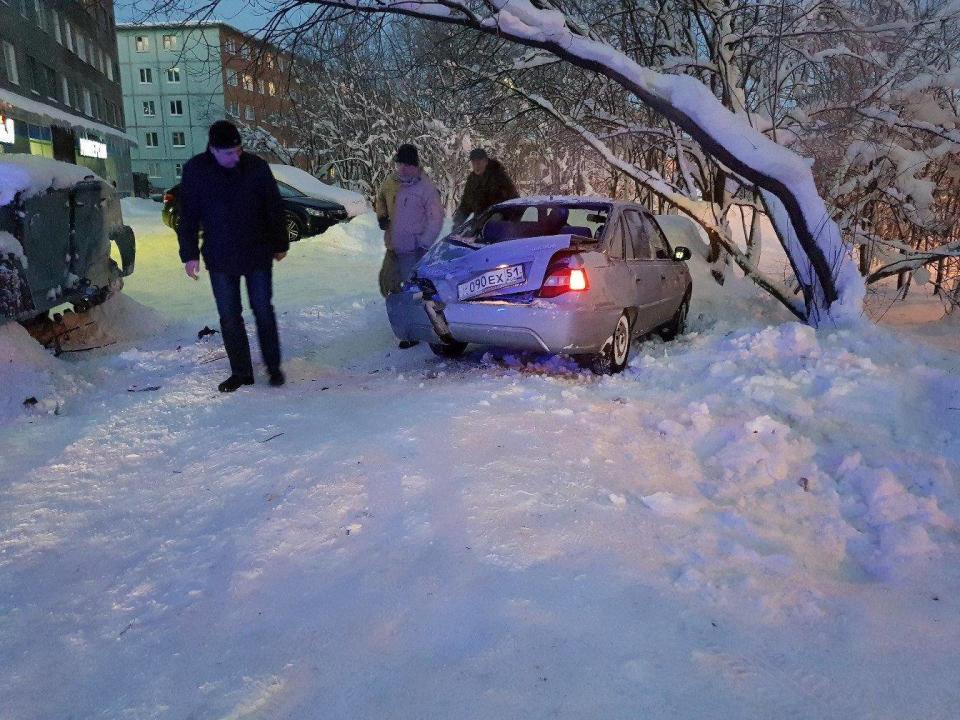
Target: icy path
x=753 y=522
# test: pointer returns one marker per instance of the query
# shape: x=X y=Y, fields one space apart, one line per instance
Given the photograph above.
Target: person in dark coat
x=487 y=184
x=234 y=198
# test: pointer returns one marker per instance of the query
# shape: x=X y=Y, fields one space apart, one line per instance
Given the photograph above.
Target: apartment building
x=178 y=79
x=60 y=93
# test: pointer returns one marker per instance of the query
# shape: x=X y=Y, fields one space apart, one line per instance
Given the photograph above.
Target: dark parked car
x=304 y=215
x=56 y=238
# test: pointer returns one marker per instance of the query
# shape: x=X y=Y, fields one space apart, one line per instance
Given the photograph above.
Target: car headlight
x=316 y=213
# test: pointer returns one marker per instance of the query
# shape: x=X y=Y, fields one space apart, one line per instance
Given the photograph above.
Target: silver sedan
x=578 y=276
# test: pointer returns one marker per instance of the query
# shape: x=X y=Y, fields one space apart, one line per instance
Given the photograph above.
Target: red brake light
x=168 y=197
x=561 y=279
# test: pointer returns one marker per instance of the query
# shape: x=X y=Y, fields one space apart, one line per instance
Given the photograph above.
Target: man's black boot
x=277 y=378
x=407 y=344
x=233 y=382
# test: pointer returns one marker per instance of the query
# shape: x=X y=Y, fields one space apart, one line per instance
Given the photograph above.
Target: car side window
x=661 y=248
x=615 y=241
x=638 y=235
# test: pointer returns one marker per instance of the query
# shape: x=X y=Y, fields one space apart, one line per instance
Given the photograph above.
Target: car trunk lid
x=488 y=272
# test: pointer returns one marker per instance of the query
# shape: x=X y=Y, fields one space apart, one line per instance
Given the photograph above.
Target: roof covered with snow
x=60 y=117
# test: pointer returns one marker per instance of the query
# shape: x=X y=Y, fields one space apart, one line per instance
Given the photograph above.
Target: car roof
x=560 y=200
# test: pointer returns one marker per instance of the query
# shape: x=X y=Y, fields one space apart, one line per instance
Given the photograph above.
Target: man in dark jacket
x=488 y=184
x=233 y=196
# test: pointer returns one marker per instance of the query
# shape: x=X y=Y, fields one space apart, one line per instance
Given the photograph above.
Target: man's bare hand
x=279 y=256
x=192 y=269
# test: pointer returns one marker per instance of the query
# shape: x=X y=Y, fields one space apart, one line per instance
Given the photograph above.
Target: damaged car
x=579 y=276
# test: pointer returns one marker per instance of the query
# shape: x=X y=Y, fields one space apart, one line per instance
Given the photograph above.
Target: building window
x=179 y=139
x=146 y=76
x=176 y=107
x=173 y=75
x=229 y=46
x=50 y=82
x=248 y=113
x=149 y=108
x=178 y=169
x=232 y=78
x=10 y=63
x=235 y=108
x=81 y=48
x=109 y=69
x=41 y=15
x=272 y=88
x=169 y=42
x=248 y=82
x=55 y=22
x=143 y=43
x=68 y=28
x=152 y=140
x=261 y=87
x=87 y=103
x=65 y=90
x=153 y=169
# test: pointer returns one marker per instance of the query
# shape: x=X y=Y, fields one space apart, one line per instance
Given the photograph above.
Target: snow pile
x=31 y=379
x=33 y=175
x=755 y=520
x=354 y=203
x=10 y=246
x=361 y=234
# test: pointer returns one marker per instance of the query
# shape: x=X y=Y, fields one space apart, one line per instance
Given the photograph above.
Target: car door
x=619 y=287
x=645 y=273
x=673 y=273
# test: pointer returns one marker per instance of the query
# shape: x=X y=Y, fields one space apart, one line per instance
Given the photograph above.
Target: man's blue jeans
x=226 y=291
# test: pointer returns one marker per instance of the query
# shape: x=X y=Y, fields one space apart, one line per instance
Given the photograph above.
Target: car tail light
x=167 y=198
x=563 y=278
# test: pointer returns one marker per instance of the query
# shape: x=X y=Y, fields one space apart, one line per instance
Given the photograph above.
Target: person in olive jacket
x=487 y=184
x=234 y=198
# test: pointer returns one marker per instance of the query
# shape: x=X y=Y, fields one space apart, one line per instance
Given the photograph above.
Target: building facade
x=60 y=92
x=178 y=79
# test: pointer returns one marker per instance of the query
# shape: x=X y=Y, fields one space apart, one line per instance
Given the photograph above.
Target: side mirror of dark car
x=681 y=253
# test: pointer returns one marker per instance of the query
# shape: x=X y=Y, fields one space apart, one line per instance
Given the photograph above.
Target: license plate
x=491 y=280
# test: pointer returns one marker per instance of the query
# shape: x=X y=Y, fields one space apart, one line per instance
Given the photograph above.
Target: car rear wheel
x=294 y=229
x=678 y=323
x=448 y=350
x=615 y=354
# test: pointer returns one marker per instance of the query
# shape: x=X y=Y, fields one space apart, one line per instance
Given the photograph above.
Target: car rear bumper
x=540 y=326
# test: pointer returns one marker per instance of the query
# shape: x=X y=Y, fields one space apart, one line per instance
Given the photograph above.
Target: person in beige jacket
x=410 y=214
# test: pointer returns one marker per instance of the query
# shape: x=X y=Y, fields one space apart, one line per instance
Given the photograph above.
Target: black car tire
x=678 y=323
x=615 y=356
x=294 y=226
x=450 y=351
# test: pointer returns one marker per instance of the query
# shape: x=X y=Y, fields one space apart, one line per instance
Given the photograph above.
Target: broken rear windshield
x=515 y=221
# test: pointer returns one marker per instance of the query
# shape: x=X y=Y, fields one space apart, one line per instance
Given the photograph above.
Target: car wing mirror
x=681 y=253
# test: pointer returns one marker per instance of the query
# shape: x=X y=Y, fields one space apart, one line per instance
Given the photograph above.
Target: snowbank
x=354 y=203
x=31 y=379
x=33 y=175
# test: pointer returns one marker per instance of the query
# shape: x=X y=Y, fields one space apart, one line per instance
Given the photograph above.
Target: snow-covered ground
x=754 y=521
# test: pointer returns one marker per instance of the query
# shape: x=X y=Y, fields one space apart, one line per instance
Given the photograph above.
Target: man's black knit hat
x=224 y=134
x=407 y=155
x=478 y=154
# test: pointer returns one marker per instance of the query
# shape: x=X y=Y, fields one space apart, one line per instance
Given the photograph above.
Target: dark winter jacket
x=240 y=211
x=482 y=191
